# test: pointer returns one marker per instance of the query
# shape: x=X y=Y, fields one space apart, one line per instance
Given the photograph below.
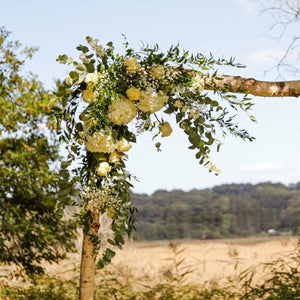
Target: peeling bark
x=88 y=257
x=237 y=84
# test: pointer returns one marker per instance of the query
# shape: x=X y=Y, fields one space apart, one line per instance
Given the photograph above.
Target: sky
x=232 y=28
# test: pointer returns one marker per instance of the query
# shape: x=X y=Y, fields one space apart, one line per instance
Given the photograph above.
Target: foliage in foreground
x=282 y=281
x=33 y=193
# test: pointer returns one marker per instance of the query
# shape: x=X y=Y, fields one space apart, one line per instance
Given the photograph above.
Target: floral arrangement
x=106 y=92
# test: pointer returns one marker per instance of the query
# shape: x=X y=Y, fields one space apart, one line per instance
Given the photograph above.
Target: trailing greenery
x=33 y=193
x=220 y=212
x=108 y=99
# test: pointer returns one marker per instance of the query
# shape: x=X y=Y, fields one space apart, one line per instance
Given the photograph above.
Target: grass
x=185 y=270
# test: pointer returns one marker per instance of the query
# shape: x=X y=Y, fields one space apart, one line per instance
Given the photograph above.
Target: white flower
x=178 y=90
x=151 y=101
x=121 y=111
x=103 y=168
x=69 y=80
x=100 y=142
x=91 y=78
x=198 y=83
x=123 y=145
x=84 y=59
x=100 y=51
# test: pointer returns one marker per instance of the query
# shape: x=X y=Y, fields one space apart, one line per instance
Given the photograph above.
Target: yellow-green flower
x=89 y=95
x=133 y=93
x=157 y=72
x=131 y=65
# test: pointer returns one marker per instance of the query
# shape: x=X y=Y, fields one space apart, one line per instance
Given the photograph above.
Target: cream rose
x=165 y=129
x=131 y=65
x=91 y=78
x=89 y=96
x=121 y=111
x=133 y=93
x=115 y=157
x=123 y=145
x=103 y=168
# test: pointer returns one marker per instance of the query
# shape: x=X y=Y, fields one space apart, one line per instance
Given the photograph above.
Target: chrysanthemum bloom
x=100 y=142
x=151 y=101
x=103 y=168
x=123 y=145
x=165 y=129
x=133 y=93
x=89 y=95
x=131 y=65
x=121 y=111
x=157 y=72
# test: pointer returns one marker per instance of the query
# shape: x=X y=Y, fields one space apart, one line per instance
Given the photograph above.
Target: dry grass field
x=211 y=261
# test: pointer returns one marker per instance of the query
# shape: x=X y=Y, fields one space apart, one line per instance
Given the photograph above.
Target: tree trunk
x=88 y=256
x=237 y=84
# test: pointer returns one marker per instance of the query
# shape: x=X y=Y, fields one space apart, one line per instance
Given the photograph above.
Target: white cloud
x=271 y=55
x=249 y=6
x=263 y=167
x=266 y=55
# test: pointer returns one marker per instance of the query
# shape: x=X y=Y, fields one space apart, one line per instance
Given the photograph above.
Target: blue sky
x=225 y=28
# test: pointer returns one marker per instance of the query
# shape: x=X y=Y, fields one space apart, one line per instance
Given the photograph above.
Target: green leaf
x=109 y=253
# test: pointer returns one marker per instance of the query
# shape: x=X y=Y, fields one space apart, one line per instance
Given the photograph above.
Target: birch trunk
x=237 y=84
x=88 y=257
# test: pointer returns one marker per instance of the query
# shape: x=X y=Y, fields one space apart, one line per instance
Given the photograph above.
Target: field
x=181 y=269
x=211 y=261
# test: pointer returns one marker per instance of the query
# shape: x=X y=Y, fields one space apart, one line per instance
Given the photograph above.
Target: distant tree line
x=228 y=210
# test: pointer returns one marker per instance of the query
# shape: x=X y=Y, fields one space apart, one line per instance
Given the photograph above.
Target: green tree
x=33 y=193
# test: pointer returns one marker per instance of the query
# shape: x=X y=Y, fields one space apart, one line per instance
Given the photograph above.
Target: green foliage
x=110 y=98
x=221 y=212
x=43 y=288
x=33 y=193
